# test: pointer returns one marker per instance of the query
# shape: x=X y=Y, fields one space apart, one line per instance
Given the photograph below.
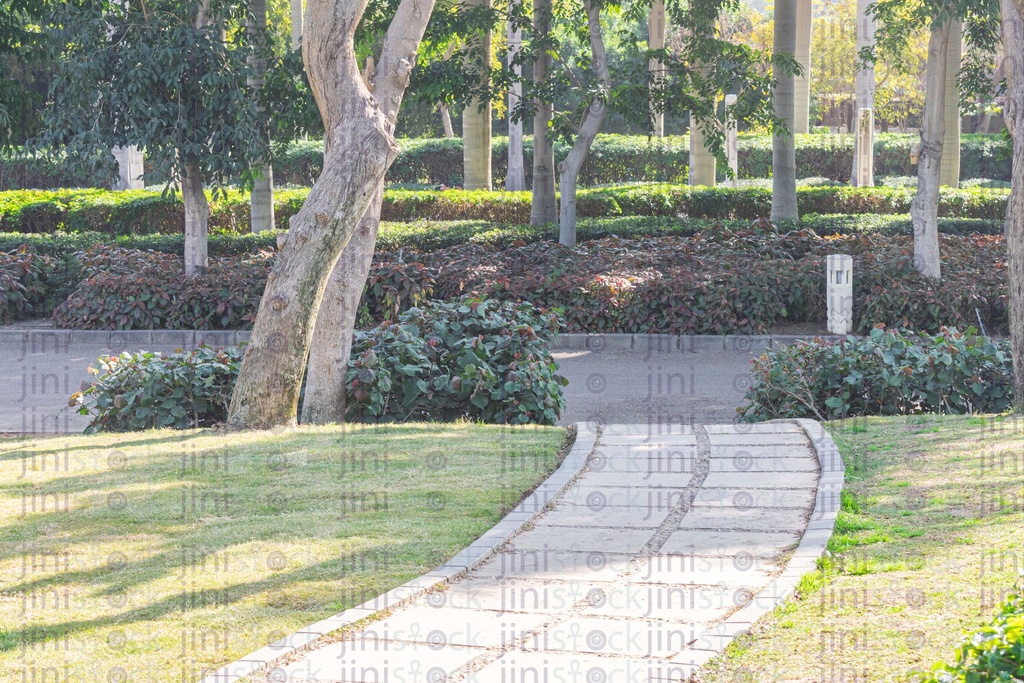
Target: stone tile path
x=664 y=548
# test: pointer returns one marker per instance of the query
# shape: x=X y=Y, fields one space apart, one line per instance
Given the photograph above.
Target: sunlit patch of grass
x=174 y=552
x=926 y=543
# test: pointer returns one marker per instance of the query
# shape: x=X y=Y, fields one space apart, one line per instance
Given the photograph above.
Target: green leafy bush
x=149 y=390
x=474 y=359
x=993 y=653
x=149 y=213
x=889 y=372
x=471 y=358
x=24 y=283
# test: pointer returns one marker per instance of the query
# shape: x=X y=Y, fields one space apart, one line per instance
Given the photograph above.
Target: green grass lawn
x=930 y=537
x=150 y=556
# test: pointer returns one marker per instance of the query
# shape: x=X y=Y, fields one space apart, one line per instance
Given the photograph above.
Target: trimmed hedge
x=613 y=159
x=145 y=213
x=625 y=158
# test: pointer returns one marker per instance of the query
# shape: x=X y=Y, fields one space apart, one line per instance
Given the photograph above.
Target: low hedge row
x=138 y=212
x=625 y=158
x=718 y=282
x=613 y=159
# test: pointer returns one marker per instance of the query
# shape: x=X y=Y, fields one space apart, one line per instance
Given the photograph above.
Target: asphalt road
x=606 y=386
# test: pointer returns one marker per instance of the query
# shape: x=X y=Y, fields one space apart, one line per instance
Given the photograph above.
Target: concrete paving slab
x=728 y=544
x=753 y=480
x=742 y=462
x=651 y=497
x=568 y=516
x=554 y=565
x=801 y=499
x=369 y=661
x=622 y=637
x=583 y=539
x=754 y=519
x=467 y=627
x=736 y=439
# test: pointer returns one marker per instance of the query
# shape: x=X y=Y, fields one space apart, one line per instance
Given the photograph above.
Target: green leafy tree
x=171 y=76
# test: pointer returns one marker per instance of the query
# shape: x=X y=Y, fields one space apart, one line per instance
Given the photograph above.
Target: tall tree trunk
x=542 y=205
x=261 y=199
x=359 y=147
x=864 y=80
x=324 y=399
x=924 y=210
x=783 y=147
x=569 y=169
x=1013 y=45
x=296 y=12
x=446 y=121
x=949 y=174
x=703 y=165
x=476 y=118
x=129 y=168
x=515 y=178
x=197 y=219
x=802 y=83
x=656 y=41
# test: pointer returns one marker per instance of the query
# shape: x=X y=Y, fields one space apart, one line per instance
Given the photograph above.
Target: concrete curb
x=675 y=343
x=477 y=552
x=812 y=543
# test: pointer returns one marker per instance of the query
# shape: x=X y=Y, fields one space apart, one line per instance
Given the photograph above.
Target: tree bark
x=324 y=398
x=1013 y=45
x=542 y=205
x=924 y=210
x=261 y=199
x=515 y=178
x=476 y=118
x=864 y=80
x=656 y=41
x=703 y=165
x=569 y=169
x=359 y=147
x=197 y=218
x=783 y=146
x=446 y=121
x=950 y=171
x=802 y=83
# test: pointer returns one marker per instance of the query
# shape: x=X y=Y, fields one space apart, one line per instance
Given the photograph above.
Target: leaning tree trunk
x=197 y=219
x=542 y=205
x=924 y=210
x=783 y=146
x=515 y=178
x=324 y=399
x=802 y=83
x=359 y=147
x=446 y=121
x=1013 y=44
x=261 y=199
x=476 y=118
x=569 y=169
x=949 y=174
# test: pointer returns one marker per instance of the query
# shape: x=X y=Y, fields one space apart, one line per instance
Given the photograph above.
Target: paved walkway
x=604 y=386
x=669 y=543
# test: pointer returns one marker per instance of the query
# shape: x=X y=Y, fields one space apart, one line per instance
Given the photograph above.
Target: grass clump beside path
x=929 y=541
x=153 y=556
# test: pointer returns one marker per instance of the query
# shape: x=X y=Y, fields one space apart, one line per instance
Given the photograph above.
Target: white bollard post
x=731 y=144
x=865 y=148
x=839 y=290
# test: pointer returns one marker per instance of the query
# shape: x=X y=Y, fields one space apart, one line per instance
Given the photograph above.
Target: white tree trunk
x=476 y=120
x=446 y=121
x=515 y=178
x=950 y=171
x=129 y=168
x=924 y=210
x=569 y=169
x=783 y=147
x=1013 y=44
x=261 y=199
x=864 y=79
x=296 y=12
x=802 y=83
x=656 y=41
x=359 y=147
x=703 y=165
x=197 y=218
x=542 y=204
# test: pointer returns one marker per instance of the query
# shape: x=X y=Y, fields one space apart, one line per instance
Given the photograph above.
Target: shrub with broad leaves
x=472 y=358
x=993 y=653
x=889 y=372
x=149 y=390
